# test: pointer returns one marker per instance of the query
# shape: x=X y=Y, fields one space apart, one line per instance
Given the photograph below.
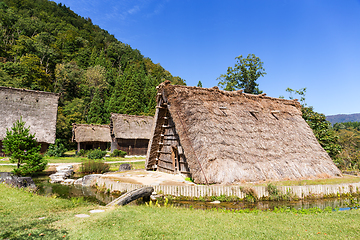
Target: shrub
x=23 y=150
x=81 y=153
x=96 y=154
x=94 y=166
x=56 y=150
x=118 y=153
x=250 y=194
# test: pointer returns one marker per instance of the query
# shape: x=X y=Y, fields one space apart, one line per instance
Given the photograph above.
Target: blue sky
x=303 y=43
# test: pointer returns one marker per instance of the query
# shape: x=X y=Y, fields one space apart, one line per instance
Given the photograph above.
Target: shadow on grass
x=32 y=230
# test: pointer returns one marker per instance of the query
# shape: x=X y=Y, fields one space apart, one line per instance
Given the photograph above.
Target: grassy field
x=25 y=215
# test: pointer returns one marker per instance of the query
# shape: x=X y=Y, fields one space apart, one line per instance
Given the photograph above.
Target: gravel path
x=55 y=164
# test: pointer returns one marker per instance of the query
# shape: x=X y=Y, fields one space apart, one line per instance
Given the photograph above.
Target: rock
x=215 y=202
x=4 y=176
x=82 y=215
x=96 y=211
x=57 y=177
x=68 y=182
x=125 y=167
x=62 y=168
x=20 y=182
x=88 y=179
x=156 y=196
x=63 y=172
x=78 y=181
x=67 y=170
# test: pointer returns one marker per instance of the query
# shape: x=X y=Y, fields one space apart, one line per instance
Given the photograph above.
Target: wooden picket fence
x=202 y=190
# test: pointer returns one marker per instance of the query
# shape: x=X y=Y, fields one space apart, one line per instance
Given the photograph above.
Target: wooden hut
x=38 y=110
x=222 y=137
x=130 y=133
x=90 y=136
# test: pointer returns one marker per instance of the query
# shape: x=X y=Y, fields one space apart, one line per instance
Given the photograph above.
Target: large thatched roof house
x=130 y=133
x=225 y=137
x=90 y=136
x=38 y=109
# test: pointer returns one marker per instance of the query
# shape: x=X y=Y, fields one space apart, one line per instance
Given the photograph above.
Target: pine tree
x=114 y=103
x=97 y=112
x=23 y=150
x=133 y=91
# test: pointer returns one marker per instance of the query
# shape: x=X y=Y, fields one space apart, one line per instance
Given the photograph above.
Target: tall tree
x=243 y=75
x=97 y=112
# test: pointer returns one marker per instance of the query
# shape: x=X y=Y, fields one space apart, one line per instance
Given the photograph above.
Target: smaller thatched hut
x=89 y=136
x=38 y=110
x=130 y=133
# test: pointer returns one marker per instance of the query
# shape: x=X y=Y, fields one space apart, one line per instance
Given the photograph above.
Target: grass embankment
x=20 y=212
x=320 y=181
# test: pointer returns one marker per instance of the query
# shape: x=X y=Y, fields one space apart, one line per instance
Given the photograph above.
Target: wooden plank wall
x=170 y=139
x=202 y=190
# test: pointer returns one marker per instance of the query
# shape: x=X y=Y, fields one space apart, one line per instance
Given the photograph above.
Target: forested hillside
x=355 y=117
x=46 y=46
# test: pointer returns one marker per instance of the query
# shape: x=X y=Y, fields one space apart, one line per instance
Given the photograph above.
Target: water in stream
x=91 y=194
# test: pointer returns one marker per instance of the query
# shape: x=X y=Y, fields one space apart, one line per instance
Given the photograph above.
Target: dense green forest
x=46 y=46
x=349 y=139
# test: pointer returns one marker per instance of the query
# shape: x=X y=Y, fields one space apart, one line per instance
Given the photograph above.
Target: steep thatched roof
x=91 y=133
x=38 y=109
x=231 y=137
x=130 y=126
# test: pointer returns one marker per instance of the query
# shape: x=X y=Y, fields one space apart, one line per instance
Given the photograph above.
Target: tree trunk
x=131 y=196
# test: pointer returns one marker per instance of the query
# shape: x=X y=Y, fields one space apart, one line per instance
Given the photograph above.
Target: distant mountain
x=355 y=117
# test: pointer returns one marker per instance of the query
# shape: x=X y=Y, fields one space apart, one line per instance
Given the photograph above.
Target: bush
x=56 y=150
x=23 y=150
x=96 y=154
x=82 y=153
x=118 y=153
x=94 y=166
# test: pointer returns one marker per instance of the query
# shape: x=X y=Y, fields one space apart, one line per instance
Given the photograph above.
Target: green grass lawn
x=24 y=215
x=5 y=168
x=73 y=159
x=135 y=165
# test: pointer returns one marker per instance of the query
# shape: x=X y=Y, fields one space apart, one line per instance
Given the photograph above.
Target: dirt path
x=75 y=163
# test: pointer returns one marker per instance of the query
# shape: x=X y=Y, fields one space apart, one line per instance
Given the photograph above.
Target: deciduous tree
x=243 y=75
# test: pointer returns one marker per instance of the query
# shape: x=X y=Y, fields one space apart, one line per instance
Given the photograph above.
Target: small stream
x=92 y=195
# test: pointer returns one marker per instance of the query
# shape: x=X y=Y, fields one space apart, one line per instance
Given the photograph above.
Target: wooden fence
x=261 y=191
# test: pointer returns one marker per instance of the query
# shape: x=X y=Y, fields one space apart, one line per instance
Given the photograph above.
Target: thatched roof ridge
x=131 y=126
x=37 y=108
x=28 y=90
x=91 y=133
x=232 y=136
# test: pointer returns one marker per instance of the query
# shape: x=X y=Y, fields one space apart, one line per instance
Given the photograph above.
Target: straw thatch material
x=131 y=126
x=130 y=133
x=91 y=133
x=225 y=137
x=38 y=109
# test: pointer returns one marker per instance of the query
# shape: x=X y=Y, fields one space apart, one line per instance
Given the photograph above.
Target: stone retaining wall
x=202 y=190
